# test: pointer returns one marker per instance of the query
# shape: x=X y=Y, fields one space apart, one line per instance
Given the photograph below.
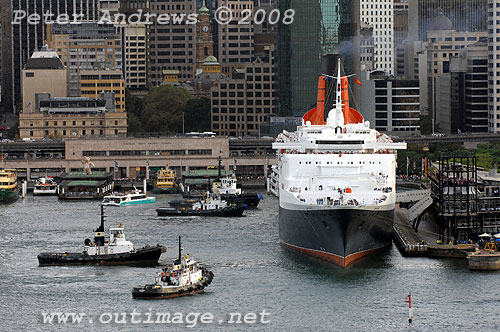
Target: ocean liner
x=337 y=180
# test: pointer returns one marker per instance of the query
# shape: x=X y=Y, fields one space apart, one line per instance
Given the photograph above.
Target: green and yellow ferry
x=165 y=182
x=9 y=189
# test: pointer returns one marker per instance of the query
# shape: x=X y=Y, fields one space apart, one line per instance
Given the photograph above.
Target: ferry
x=9 y=189
x=45 y=186
x=165 y=182
x=128 y=198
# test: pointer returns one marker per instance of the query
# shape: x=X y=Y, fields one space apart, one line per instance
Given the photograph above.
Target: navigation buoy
x=410 y=310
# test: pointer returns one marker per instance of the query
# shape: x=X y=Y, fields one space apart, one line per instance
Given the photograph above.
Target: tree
x=197 y=116
x=134 y=123
x=133 y=104
x=162 y=109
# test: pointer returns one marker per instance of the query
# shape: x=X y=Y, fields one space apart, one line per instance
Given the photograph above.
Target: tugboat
x=211 y=205
x=227 y=188
x=128 y=198
x=165 y=182
x=117 y=250
x=45 y=187
x=184 y=277
x=9 y=189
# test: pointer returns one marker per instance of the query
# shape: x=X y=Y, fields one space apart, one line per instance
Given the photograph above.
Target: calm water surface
x=252 y=273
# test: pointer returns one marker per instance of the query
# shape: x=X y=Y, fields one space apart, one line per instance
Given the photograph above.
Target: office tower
x=319 y=28
x=493 y=66
x=85 y=46
x=379 y=15
x=172 y=46
x=236 y=39
x=401 y=38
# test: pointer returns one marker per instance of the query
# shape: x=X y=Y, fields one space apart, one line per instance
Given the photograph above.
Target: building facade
x=236 y=39
x=135 y=55
x=465 y=15
x=85 y=46
x=367 y=47
x=27 y=38
x=319 y=28
x=391 y=105
x=401 y=38
x=43 y=73
x=493 y=66
x=172 y=46
x=241 y=104
x=73 y=117
x=379 y=15
x=94 y=82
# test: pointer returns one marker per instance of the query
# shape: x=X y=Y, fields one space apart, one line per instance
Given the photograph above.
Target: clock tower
x=204 y=38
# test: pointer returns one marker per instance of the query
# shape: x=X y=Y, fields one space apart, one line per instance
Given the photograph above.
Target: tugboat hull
x=156 y=292
x=228 y=211
x=249 y=199
x=144 y=256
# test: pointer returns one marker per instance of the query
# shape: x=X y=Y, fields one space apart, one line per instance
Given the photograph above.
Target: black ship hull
x=341 y=236
x=251 y=200
x=153 y=292
x=229 y=211
x=143 y=256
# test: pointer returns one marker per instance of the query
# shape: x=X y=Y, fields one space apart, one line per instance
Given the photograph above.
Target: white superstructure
x=336 y=165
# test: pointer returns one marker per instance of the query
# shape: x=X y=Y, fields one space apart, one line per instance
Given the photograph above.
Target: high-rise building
x=135 y=52
x=391 y=104
x=465 y=15
x=319 y=28
x=366 y=47
x=493 y=66
x=94 y=82
x=244 y=102
x=236 y=38
x=379 y=14
x=401 y=38
x=462 y=95
x=6 y=55
x=444 y=42
x=27 y=37
x=85 y=46
x=172 y=46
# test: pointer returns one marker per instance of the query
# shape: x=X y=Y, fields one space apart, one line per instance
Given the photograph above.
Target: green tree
x=197 y=116
x=134 y=123
x=133 y=104
x=162 y=109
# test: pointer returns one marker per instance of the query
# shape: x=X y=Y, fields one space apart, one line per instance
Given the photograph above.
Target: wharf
x=484 y=260
x=410 y=242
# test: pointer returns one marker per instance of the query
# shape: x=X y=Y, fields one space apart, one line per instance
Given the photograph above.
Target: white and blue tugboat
x=129 y=198
x=115 y=250
x=184 y=277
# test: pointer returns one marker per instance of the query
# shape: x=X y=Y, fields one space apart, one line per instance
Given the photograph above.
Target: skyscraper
x=493 y=66
x=318 y=28
x=379 y=14
x=172 y=46
x=27 y=38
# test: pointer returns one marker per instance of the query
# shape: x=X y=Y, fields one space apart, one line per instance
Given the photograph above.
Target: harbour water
x=253 y=273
